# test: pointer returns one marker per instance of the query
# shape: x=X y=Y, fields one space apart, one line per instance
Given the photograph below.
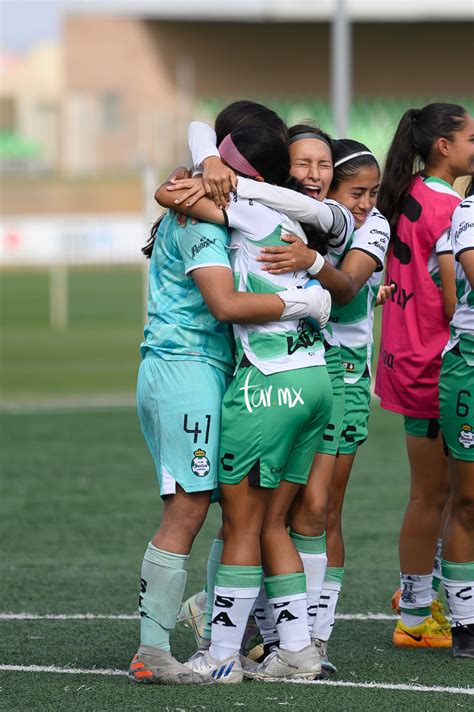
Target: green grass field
x=79 y=502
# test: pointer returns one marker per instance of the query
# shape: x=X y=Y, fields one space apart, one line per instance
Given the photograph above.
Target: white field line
x=329 y=683
x=134 y=616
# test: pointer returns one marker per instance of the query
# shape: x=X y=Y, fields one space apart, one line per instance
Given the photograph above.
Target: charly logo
x=200 y=465
x=466 y=436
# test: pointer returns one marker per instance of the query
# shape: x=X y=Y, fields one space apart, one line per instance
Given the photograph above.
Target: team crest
x=466 y=436
x=200 y=465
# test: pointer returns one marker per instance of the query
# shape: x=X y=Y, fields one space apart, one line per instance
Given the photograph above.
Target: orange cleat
x=428 y=634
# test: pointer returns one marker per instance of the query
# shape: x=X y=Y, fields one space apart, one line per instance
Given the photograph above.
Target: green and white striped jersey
x=276 y=346
x=352 y=323
x=462 y=324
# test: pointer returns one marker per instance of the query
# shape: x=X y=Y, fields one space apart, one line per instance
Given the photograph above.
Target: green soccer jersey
x=462 y=324
x=180 y=326
x=280 y=345
x=352 y=323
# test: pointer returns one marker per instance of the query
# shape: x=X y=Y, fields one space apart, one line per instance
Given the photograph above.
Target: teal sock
x=213 y=562
x=163 y=580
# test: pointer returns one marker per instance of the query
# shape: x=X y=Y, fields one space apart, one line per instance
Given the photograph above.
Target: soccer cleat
x=223 y=671
x=287 y=665
x=260 y=652
x=438 y=609
x=193 y=614
x=428 y=634
x=252 y=636
x=463 y=640
x=439 y=612
x=322 y=648
x=205 y=645
x=154 y=666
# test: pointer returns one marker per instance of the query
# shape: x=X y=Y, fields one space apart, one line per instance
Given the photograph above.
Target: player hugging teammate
x=296 y=409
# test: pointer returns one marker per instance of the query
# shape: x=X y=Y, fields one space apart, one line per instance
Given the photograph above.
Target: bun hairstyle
x=349 y=158
x=411 y=149
x=248 y=113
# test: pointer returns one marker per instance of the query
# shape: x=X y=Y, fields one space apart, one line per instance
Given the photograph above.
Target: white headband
x=354 y=155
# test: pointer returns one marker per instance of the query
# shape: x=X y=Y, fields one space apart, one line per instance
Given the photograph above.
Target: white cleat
x=226 y=671
x=287 y=665
x=158 y=667
x=322 y=648
x=193 y=614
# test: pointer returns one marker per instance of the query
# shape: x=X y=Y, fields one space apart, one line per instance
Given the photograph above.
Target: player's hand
x=218 y=180
x=180 y=173
x=288 y=258
x=384 y=293
x=193 y=188
x=182 y=220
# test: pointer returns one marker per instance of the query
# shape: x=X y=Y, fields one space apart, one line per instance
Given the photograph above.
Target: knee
x=462 y=510
x=309 y=519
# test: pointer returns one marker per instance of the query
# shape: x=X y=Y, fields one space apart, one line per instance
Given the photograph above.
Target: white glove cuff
x=317 y=265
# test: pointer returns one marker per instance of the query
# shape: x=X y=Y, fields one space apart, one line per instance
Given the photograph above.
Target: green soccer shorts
x=329 y=442
x=456 y=398
x=356 y=416
x=271 y=425
x=421 y=427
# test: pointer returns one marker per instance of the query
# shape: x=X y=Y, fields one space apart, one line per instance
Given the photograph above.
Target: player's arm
x=216 y=285
x=447 y=274
x=466 y=260
x=170 y=195
x=218 y=179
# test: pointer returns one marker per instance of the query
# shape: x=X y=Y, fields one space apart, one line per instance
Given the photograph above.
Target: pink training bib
x=414 y=325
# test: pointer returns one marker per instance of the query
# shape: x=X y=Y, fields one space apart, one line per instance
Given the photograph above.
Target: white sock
x=415 y=599
x=314 y=568
x=264 y=618
x=326 y=610
x=458 y=580
x=287 y=600
x=437 y=574
x=235 y=590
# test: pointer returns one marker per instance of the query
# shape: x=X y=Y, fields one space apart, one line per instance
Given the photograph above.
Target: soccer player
x=187 y=362
x=456 y=394
x=267 y=451
x=415 y=328
x=355 y=185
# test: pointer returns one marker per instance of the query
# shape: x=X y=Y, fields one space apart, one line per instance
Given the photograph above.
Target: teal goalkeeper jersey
x=180 y=326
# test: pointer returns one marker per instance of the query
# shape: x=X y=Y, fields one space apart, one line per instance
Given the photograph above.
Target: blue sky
x=25 y=23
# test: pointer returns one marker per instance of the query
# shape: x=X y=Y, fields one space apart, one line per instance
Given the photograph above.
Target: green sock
x=213 y=562
x=163 y=580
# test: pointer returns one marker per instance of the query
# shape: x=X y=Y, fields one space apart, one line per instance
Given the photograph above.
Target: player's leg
x=457 y=422
x=429 y=492
x=186 y=460
x=353 y=434
x=284 y=574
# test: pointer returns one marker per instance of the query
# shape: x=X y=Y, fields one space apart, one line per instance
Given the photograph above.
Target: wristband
x=317 y=265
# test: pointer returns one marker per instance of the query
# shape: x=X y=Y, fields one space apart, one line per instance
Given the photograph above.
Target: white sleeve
x=443 y=243
x=373 y=238
x=462 y=228
x=252 y=218
x=202 y=142
x=295 y=205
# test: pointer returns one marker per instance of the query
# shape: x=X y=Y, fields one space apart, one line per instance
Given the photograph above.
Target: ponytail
x=410 y=151
x=148 y=248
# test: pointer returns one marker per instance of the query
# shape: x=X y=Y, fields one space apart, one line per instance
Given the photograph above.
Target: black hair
x=469 y=188
x=309 y=126
x=344 y=147
x=244 y=113
x=265 y=150
x=410 y=150
x=148 y=248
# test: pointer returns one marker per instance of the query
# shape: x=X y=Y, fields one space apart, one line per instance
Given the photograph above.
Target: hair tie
x=354 y=155
x=309 y=134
